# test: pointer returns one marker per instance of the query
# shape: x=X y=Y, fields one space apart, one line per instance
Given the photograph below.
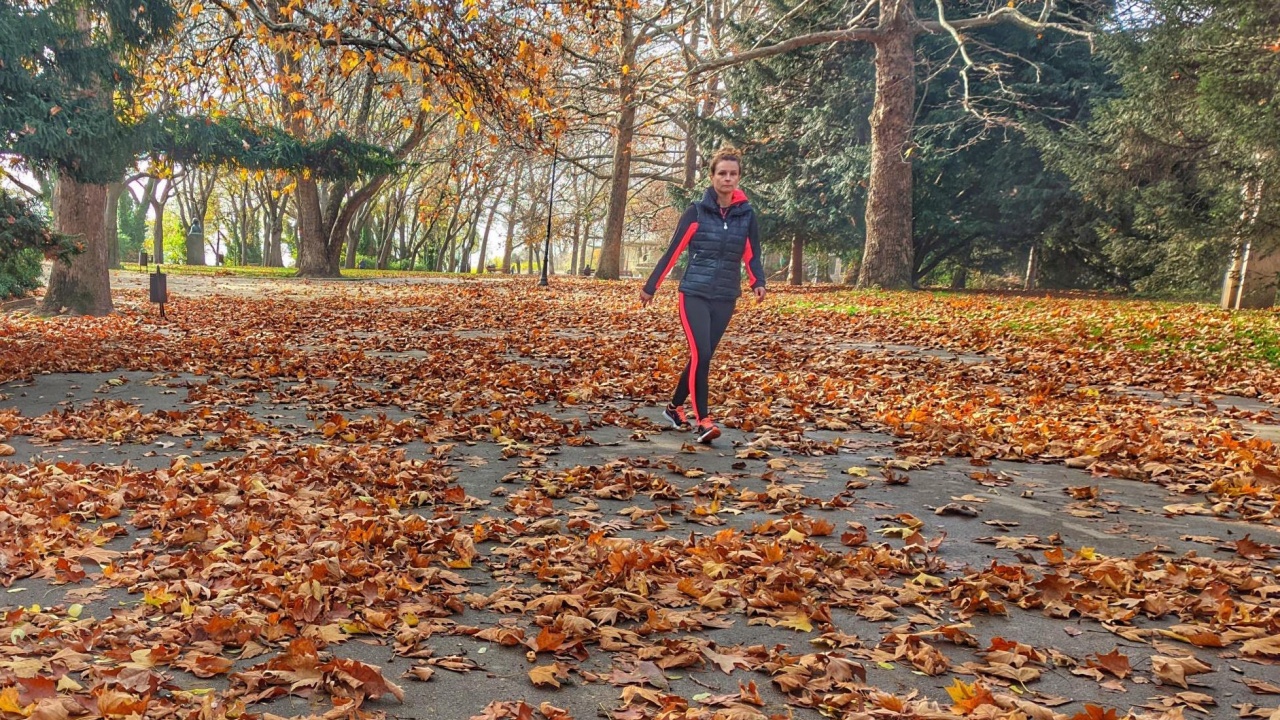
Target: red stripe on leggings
x=693 y=359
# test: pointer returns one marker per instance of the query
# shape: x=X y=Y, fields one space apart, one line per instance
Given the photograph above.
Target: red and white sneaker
x=706 y=431
x=676 y=416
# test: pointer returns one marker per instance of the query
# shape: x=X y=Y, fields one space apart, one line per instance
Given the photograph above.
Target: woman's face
x=725 y=176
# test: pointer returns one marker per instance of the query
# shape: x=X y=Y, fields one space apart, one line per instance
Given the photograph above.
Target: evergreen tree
x=805 y=132
x=981 y=195
x=67 y=65
x=132 y=231
x=1184 y=164
x=984 y=198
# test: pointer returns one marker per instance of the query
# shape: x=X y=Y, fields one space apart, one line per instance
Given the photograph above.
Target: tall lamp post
x=551 y=199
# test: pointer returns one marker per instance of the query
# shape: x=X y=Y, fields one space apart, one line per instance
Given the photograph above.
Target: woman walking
x=719 y=231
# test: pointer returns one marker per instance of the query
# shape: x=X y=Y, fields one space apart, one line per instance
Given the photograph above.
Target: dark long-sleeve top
x=718 y=240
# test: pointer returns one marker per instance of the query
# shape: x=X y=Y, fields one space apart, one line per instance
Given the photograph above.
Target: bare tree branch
x=1009 y=15
x=964 y=54
x=20 y=185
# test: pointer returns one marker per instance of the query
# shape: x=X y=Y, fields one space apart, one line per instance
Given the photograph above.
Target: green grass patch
x=1260 y=343
x=842 y=308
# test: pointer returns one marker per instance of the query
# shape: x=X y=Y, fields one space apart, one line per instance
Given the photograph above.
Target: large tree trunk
x=620 y=183
x=83 y=285
x=507 y=251
x=887 y=261
x=313 y=242
x=797 y=259
x=319 y=255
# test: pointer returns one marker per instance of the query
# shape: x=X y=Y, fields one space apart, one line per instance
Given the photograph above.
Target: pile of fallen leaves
x=255 y=565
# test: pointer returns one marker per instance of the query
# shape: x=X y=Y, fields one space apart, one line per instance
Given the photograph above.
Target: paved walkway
x=542 y=515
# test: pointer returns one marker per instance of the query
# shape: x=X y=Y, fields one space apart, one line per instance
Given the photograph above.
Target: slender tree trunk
x=462 y=264
x=691 y=111
x=484 y=239
x=246 y=225
x=384 y=251
x=797 y=259
x=84 y=285
x=512 y=214
x=273 y=256
x=887 y=261
x=111 y=224
x=1235 y=271
x=1252 y=278
x=151 y=199
x=353 y=246
x=620 y=182
x=573 y=255
x=1033 y=268
x=157 y=228
x=473 y=236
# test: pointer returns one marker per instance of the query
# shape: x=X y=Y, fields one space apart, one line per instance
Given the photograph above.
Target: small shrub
x=19 y=273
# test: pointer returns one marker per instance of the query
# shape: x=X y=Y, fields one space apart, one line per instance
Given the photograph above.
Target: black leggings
x=704 y=324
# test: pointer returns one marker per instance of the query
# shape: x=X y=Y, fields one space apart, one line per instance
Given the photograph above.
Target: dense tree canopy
x=1184 y=161
x=1063 y=145
x=982 y=196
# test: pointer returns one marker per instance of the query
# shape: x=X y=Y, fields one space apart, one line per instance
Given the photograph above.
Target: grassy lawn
x=1099 y=325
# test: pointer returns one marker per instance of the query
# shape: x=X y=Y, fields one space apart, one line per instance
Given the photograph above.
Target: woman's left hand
x=759 y=293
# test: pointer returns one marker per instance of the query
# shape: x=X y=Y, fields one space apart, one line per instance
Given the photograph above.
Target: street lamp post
x=551 y=199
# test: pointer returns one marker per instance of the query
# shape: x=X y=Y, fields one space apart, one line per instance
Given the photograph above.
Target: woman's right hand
x=645 y=299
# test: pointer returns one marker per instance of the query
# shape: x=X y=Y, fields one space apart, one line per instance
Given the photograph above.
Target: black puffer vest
x=715 y=251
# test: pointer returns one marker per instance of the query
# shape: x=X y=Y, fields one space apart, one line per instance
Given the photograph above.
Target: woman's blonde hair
x=726 y=152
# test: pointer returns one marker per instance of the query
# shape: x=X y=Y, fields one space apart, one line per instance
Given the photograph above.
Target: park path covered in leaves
x=452 y=499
